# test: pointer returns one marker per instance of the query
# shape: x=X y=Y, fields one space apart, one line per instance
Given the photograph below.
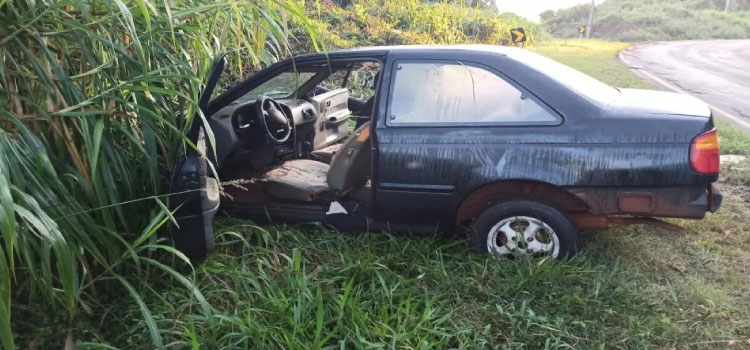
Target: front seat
x=306 y=180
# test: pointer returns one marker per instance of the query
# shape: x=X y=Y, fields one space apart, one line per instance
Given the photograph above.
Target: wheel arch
x=487 y=195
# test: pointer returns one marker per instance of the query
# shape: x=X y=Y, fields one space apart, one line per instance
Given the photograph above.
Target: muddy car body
x=516 y=150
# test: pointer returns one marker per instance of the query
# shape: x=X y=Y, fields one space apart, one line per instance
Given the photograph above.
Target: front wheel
x=525 y=227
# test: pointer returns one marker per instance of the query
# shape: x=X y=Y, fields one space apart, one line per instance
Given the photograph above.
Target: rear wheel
x=525 y=227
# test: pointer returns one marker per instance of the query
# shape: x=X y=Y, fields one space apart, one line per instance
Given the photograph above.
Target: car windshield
x=282 y=85
x=583 y=84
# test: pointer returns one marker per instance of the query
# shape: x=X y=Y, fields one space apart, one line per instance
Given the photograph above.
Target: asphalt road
x=717 y=72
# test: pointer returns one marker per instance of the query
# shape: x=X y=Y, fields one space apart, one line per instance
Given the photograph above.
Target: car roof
x=380 y=50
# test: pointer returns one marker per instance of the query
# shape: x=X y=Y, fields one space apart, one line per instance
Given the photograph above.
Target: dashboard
x=316 y=122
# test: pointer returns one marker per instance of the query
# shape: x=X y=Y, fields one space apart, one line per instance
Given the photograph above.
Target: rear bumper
x=709 y=201
x=691 y=202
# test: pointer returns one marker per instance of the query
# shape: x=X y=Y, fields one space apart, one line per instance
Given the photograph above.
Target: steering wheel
x=276 y=124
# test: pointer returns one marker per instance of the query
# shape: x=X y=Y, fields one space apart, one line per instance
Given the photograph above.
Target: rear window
x=454 y=93
x=583 y=84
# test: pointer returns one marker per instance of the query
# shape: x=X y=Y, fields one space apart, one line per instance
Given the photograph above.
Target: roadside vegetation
x=89 y=92
x=95 y=99
x=647 y=20
x=346 y=23
x=733 y=140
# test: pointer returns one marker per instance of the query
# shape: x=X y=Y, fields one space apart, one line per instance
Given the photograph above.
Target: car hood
x=660 y=102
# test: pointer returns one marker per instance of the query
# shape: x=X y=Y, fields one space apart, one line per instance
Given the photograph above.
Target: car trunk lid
x=660 y=102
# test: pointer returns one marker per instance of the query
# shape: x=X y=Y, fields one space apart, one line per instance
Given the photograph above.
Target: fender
x=487 y=195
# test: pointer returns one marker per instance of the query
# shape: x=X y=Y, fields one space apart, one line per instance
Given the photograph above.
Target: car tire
x=523 y=227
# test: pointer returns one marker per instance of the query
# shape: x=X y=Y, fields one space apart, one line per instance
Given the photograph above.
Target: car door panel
x=195 y=201
x=333 y=116
x=194 y=189
x=426 y=166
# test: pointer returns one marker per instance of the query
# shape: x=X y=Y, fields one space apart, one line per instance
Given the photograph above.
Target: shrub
x=385 y=22
x=642 y=20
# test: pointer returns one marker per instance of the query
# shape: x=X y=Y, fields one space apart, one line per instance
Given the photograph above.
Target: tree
x=484 y=4
x=547 y=15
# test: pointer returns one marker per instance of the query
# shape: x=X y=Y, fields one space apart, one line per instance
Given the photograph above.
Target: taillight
x=704 y=153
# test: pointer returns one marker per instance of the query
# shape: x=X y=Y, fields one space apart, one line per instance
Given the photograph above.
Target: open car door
x=194 y=188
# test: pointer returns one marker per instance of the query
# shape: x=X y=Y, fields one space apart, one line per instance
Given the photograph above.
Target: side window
x=362 y=80
x=359 y=78
x=335 y=80
x=457 y=93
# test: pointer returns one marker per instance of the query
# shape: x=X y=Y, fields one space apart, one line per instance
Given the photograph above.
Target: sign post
x=581 y=31
x=518 y=36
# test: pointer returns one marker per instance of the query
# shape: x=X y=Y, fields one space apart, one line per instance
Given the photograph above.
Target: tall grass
x=90 y=94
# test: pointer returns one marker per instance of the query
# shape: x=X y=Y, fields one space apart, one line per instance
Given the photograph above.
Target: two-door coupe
x=512 y=149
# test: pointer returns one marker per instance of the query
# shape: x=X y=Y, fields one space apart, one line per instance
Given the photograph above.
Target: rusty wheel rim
x=523 y=236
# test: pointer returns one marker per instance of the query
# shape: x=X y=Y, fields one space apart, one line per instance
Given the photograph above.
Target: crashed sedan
x=506 y=147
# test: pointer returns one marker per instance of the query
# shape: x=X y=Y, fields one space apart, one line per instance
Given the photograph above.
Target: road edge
x=665 y=84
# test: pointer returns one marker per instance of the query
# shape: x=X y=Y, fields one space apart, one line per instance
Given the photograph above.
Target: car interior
x=302 y=136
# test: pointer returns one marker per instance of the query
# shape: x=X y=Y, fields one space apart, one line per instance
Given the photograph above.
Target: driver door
x=194 y=188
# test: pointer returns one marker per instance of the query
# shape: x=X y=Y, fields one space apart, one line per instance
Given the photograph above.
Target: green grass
x=303 y=287
x=594 y=57
x=309 y=287
x=732 y=139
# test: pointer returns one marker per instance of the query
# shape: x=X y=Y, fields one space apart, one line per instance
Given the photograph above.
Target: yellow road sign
x=581 y=29
x=517 y=35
